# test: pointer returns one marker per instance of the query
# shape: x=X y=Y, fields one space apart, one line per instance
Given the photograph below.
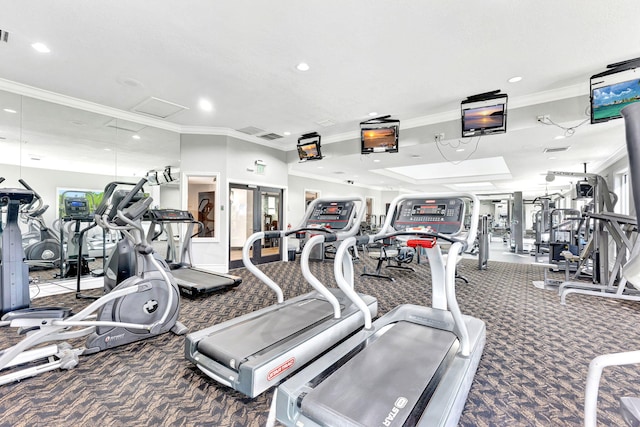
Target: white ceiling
x=415 y=60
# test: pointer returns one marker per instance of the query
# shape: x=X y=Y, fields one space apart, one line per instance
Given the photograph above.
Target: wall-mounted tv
x=309 y=147
x=613 y=90
x=379 y=135
x=484 y=114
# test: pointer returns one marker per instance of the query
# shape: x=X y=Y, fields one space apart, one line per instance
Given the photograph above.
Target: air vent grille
x=4 y=36
x=157 y=107
x=556 y=150
x=270 y=136
x=326 y=123
x=251 y=130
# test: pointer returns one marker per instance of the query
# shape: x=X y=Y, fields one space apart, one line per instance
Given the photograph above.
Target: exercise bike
x=142 y=306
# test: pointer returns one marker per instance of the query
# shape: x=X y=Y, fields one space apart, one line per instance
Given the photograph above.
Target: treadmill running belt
x=382 y=383
x=199 y=281
x=231 y=346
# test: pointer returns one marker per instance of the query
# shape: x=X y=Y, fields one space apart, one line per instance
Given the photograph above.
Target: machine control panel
x=445 y=216
x=77 y=208
x=333 y=215
x=170 y=215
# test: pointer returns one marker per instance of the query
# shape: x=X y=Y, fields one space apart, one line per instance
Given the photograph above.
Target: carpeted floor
x=532 y=372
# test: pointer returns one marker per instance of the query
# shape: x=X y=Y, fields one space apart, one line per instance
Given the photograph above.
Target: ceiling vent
x=326 y=123
x=159 y=108
x=4 y=36
x=556 y=150
x=125 y=125
x=270 y=136
x=251 y=130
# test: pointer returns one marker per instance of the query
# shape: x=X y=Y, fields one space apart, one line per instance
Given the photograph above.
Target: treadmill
x=254 y=352
x=192 y=282
x=414 y=365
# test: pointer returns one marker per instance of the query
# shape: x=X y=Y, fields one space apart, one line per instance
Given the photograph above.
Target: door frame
x=257 y=257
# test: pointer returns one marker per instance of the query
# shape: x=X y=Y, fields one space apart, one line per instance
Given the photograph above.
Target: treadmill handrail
x=452 y=302
x=344 y=269
x=457 y=247
x=313 y=280
x=335 y=235
x=246 y=259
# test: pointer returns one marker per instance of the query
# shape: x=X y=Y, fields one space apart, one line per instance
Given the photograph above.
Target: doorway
x=252 y=209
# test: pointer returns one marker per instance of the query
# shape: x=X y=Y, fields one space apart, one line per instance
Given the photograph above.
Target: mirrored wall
x=56 y=146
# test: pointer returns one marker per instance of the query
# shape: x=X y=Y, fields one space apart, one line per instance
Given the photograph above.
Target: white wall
x=234 y=161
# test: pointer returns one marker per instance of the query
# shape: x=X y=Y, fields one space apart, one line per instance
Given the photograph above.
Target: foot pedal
x=38 y=312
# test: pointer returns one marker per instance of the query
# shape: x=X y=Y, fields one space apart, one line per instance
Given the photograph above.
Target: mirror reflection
x=58 y=149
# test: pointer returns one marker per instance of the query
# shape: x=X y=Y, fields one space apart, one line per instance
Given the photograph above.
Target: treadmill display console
x=445 y=216
x=334 y=215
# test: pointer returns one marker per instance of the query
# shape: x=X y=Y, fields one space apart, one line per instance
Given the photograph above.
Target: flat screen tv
x=379 y=135
x=611 y=91
x=484 y=116
x=309 y=147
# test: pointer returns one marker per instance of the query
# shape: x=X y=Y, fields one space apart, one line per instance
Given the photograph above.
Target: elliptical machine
x=41 y=245
x=140 y=307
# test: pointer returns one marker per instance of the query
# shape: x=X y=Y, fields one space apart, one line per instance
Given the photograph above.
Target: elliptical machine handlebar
x=131 y=194
x=37 y=200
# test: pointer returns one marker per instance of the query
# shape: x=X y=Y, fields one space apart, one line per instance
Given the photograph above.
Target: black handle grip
x=28 y=187
x=132 y=193
x=310 y=229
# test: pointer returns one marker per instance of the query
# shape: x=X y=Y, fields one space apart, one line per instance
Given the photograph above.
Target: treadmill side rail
x=267 y=368
x=446 y=403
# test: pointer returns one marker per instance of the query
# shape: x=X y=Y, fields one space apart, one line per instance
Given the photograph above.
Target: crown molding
x=69 y=101
x=44 y=95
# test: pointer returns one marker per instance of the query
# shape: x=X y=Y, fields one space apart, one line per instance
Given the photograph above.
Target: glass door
x=253 y=209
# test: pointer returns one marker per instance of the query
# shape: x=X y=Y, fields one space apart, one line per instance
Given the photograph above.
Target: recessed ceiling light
x=205 y=105
x=376 y=160
x=559 y=137
x=514 y=79
x=107 y=149
x=128 y=81
x=136 y=137
x=286 y=133
x=9 y=110
x=41 y=47
x=373 y=113
x=460 y=150
x=551 y=158
x=320 y=167
x=303 y=66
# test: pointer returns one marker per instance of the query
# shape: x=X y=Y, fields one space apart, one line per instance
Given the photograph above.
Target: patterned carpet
x=532 y=372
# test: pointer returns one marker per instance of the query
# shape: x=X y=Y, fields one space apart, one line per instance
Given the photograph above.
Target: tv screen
x=484 y=117
x=379 y=139
x=309 y=148
x=612 y=92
